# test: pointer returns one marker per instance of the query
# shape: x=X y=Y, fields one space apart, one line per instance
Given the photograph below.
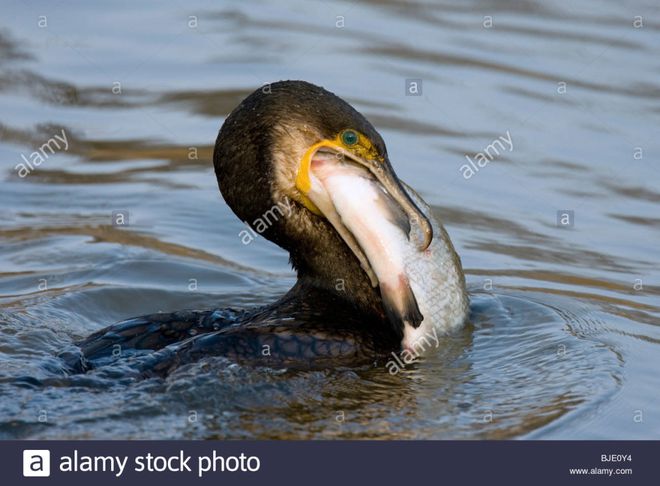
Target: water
x=564 y=340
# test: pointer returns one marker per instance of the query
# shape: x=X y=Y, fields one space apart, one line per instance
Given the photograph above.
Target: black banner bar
x=318 y=463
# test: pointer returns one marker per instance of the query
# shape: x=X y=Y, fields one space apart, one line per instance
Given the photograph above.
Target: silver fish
x=422 y=291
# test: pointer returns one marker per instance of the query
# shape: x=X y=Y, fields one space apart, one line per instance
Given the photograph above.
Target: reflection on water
x=565 y=331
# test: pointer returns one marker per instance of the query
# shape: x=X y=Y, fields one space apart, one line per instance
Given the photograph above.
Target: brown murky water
x=565 y=333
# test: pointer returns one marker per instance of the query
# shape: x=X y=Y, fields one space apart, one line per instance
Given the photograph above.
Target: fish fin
x=401 y=305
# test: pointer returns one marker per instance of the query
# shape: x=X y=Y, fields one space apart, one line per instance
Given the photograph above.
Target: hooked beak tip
x=419 y=221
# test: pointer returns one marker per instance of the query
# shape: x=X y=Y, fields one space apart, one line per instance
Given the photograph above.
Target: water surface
x=564 y=339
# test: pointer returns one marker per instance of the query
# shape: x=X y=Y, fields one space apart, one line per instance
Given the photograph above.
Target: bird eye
x=349 y=137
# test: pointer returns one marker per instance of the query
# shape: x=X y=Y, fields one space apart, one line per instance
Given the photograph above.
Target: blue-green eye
x=349 y=137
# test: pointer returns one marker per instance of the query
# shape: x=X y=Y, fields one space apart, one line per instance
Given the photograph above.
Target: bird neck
x=323 y=261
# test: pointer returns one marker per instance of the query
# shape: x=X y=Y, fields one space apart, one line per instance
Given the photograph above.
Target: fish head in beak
x=351 y=149
x=346 y=180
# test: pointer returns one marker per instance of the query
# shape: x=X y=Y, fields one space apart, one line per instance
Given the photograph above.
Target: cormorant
x=375 y=271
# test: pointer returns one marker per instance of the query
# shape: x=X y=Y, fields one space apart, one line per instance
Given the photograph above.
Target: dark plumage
x=244 y=166
x=332 y=315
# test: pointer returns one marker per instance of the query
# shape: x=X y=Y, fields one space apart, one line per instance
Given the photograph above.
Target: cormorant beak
x=381 y=170
x=398 y=208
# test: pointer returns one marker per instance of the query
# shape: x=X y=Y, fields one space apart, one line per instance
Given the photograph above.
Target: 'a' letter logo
x=36 y=463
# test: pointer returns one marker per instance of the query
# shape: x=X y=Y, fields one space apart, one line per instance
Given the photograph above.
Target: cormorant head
x=263 y=161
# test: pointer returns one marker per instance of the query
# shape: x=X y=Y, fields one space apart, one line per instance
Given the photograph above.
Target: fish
x=423 y=291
